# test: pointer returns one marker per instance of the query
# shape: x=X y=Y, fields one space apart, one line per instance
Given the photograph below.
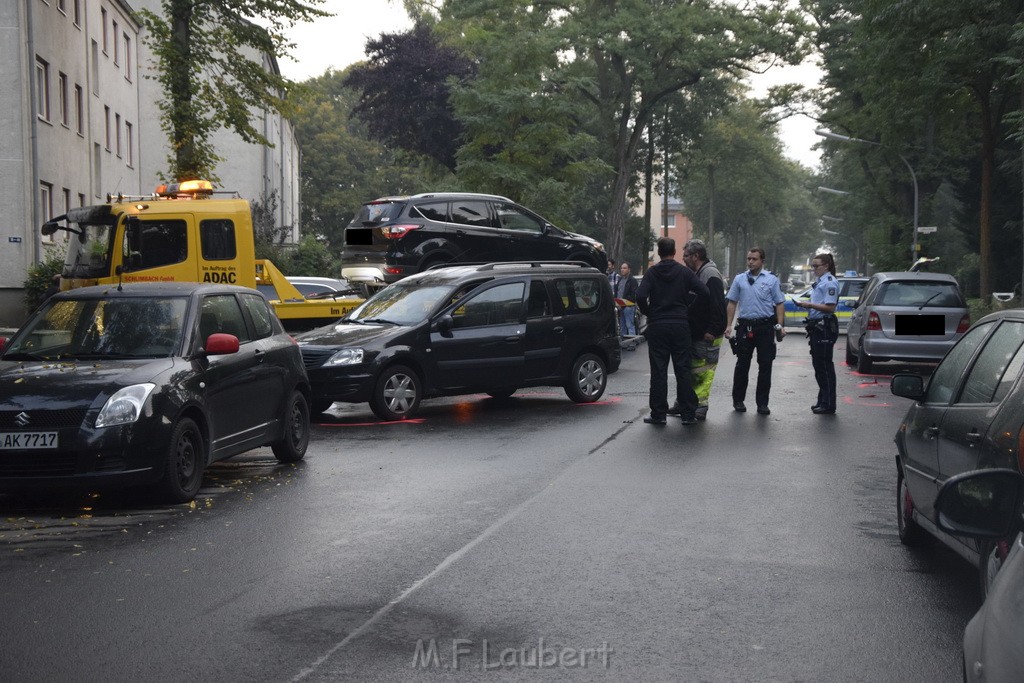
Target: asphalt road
x=507 y=539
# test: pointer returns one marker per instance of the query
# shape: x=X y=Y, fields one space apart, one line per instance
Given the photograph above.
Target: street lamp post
x=915 y=247
x=856 y=247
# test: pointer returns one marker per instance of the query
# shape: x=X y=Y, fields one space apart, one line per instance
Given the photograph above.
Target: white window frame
x=46 y=205
x=62 y=98
x=42 y=89
x=79 y=110
x=129 y=153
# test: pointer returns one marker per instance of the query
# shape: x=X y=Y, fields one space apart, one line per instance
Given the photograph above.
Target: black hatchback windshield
x=98 y=328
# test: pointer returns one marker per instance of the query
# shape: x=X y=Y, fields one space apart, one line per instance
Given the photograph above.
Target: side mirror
x=981 y=504
x=218 y=344
x=908 y=386
x=445 y=324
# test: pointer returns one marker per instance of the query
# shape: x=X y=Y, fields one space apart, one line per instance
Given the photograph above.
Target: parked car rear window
x=926 y=294
x=988 y=371
x=377 y=212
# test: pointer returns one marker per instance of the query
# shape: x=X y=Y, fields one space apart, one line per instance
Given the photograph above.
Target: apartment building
x=79 y=120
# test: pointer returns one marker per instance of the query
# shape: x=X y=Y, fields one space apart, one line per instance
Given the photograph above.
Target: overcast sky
x=340 y=40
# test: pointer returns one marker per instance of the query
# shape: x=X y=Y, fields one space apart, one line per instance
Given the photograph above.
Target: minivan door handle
x=973 y=438
x=558 y=330
x=931 y=432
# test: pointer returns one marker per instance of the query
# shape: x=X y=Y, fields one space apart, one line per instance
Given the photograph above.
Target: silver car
x=906 y=316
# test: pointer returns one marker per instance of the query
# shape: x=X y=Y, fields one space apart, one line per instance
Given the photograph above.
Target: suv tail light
x=397 y=232
x=874 y=323
x=965 y=322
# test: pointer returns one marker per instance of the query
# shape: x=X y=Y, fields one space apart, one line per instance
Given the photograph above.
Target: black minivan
x=454 y=330
x=394 y=237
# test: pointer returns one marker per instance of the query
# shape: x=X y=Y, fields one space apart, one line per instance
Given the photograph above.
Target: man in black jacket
x=664 y=295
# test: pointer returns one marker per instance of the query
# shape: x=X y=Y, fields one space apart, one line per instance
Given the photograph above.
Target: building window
x=67 y=207
x=78 y=13
x=42 y=89
x=81 y=199
x=127 y=57
x=61 y=7
x=79 y=111
x=106 y=127
x=95 y=68
x=128 y=144
x=117 y=45
x=103 y=21
x=62 y=98
x=117 y=135
x=46 y=205
x=97 y=166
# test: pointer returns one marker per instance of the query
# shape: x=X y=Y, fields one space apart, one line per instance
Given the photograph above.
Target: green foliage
x=204 y=51
x=310 y=257
x=39 y=278
x=342 y=167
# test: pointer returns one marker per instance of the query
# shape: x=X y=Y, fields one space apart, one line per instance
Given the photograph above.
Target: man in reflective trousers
x=756 y=296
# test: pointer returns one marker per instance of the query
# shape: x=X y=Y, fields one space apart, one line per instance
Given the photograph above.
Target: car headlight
x=346 y=357
x=125 y=406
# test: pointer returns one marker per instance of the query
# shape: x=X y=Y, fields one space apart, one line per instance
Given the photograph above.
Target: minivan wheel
x=587 y=379
x=863 y=361
x=295 y=439
x=910 y=532
x=397 y=394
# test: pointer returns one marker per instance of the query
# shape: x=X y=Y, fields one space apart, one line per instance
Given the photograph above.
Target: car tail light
x=397 y=232
x=393 y=270
x=874 y=323
x=965 y=322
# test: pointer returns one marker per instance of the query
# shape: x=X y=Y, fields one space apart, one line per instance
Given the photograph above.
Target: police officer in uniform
x=823 y=330
x=756 y=296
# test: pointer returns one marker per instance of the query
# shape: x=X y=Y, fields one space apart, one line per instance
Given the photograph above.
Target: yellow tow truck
x=181 y=233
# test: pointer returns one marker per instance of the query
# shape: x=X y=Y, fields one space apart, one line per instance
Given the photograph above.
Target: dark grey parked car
x=907 y=317
x=987 y=505
x=970 y=416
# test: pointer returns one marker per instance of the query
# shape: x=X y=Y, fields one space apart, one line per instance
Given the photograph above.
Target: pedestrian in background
x=664 y=296
x=707 y=325
x=823 y=331
x=613 y=274
x=756 y=296
x=625 y=292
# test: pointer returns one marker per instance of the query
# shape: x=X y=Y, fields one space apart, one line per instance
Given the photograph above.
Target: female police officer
x=823 y=330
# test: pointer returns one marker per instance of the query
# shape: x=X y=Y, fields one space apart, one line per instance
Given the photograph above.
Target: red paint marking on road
x=413 y=421
x=608 y=402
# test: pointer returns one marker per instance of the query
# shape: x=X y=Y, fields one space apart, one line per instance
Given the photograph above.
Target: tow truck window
x=217 y=239
x=157 y=243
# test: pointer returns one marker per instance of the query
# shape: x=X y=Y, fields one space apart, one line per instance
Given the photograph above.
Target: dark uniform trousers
x=822 y=336
x=751 y=337
x=665 y=342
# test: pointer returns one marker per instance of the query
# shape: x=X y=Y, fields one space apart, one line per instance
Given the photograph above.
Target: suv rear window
x=376 y=213
x=922 y=294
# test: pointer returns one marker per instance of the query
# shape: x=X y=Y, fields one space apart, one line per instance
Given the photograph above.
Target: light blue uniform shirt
x=757 y=300
x=825 y=290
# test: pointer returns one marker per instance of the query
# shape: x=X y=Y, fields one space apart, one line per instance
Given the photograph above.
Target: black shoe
x=815 y=406
x=654 y=420
x=689 y=419
x=739 y=407
x=675 y=410
x=819 y=410
x=763 y=410
x=702 y=413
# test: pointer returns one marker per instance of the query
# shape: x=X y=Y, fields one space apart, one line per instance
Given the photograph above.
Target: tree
x=404 y=90
x=618 y=60
x=342 y=167
x=204 y=51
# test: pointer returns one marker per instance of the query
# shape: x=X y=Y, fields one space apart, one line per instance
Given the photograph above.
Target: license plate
x=28 y=440
x=918 y=325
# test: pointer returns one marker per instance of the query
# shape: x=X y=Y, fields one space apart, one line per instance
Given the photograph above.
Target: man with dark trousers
x=756 y=296
x=664 y=296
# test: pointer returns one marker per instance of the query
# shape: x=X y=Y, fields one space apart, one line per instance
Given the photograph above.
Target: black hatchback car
x=147 y=384
x=465 y=329
x=393 y=237
x=970 y=416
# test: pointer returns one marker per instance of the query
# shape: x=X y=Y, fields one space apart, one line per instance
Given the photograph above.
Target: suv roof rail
x=535 y=264
x=425 y=195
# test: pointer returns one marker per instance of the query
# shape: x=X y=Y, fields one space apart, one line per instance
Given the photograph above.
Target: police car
x=849 y=291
